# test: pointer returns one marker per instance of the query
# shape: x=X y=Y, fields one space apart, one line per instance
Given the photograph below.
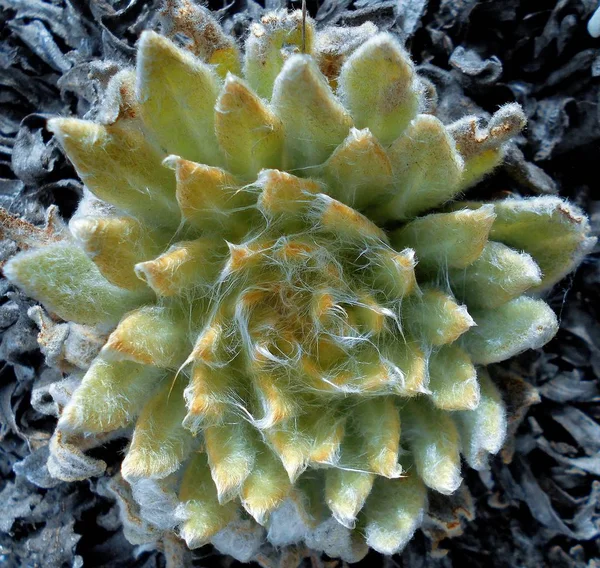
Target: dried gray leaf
x=474 y=67
x=586 y=521
x=382 y=14
x=567 y=28
x=538 y=501
x=241 y=539
x=588 y=464
x=336 y=541
x=34 y=468
x=54 y=545
x=581 y=427
x=9 y=314
x=527 y=174
x=7 y=415
x=579 y=63
x=176 y=553
x=158 y=501
x=36 y=92
x=9 y=191
x=41 y=398
x=569 y=387
x=408 y=16
x=68 y=462
x=551 y=29
x=37 y=37
x=452 y=12
x=447 y=515
x=596 y=67
x=548 y=125
x=38 y=10
x=18 y=340
x=135 y=529
x=17 y=502
x=453 y=104
x=34 y=156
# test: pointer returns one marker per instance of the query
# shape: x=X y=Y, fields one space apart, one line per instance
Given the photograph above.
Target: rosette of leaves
x=299 y=308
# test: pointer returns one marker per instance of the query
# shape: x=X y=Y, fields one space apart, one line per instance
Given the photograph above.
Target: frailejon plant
x=299 y=310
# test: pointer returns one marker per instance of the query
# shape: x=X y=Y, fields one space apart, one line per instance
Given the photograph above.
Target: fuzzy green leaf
x=160 y=443
x=513 y=327
x=497 y=276
x=378 y=86
x=177 y=95
x=110 y=395
x=63 y=278
x=482 y=430
x=314 y=120
x=394 y=511
x=427 y=170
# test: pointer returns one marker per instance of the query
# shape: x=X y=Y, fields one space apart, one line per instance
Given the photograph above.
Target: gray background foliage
x=539 y=505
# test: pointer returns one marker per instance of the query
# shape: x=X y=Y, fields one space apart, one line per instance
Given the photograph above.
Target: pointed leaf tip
x=427 y=170
x=68 y=283
x=503 y=332
x=250 y=135
x=121 y=166
x=177 y=93
x=315 y=122
x=378 y=85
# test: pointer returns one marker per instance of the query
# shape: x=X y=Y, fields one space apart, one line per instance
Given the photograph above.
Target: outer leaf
x=314 y=437
x=208 y=396
x=427 y=170
x=483 y=148
x=435 y=445
x=67 y=282
x=554 y=232
x=231 y=453
x=378 y=424
x=292 y=444
x=314 y=120
x=443 y=240
x=483 y=429
x=408 y=357
x=266 y=487
x=249 y=134
x=277 y=402
x=200 y=509
x=151 y=335
x=393 y=512
x=268 y=47
x=437 y=317
x=453 y=379
x=188 y=266
x=334 y=44
x=497 y=276
x=346 y=492
x=116 y=244
x=110 y=396
x=160 y=443
x=177 y=95
x=344 y=222
x=393 y=273
x=359 y=171
x=211 y=199
x=118 y=164
x=520 y=324
x=205 y=37
x=377 y=84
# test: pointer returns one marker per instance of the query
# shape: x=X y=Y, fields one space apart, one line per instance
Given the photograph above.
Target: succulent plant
x=295 y=307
